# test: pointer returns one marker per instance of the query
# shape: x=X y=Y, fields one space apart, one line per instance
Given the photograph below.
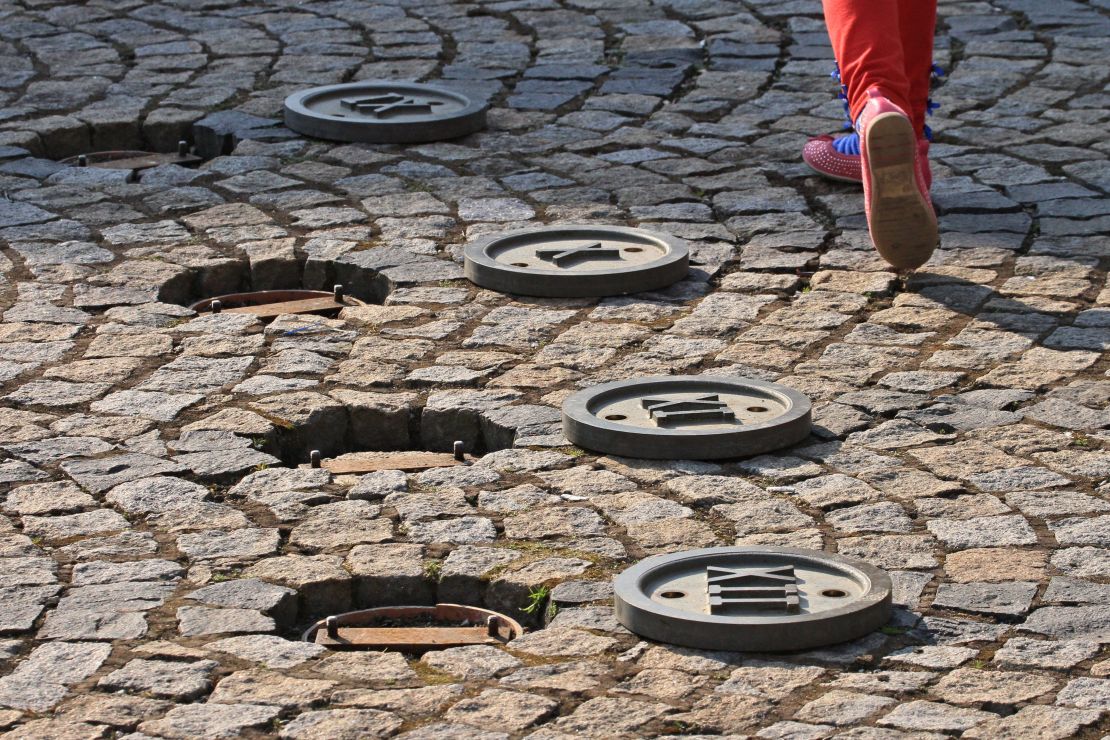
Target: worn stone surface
x=209 y=720
x=1047 y=723
x=474 y=661
x=506 y=710
x=973 y=686
x=261 y=686
x=342 y=724
x=165 y=679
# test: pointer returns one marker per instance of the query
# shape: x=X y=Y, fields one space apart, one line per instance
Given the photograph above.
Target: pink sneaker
x=836 y=159
x=839 y=159
x=923 y=161
x=900 y=213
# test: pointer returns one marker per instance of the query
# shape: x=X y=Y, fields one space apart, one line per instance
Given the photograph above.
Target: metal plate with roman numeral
x=384 y=112
x=697 y=417
x=576 y=261
x=752 y=598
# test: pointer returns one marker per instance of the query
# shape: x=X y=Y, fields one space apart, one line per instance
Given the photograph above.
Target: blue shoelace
x=850 y=144
x=847 y=144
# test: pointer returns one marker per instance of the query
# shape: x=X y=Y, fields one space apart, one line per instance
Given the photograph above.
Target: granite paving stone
x=262 y=686
x=342 y=724
x=1022 y=652
x=1049 y=723
x=163 y=679
x=470 y=662
x=1085 y=693
x=974 y=686
x=1013 y=598
x=385 y=669
x=210 y=720
x=926 y=715
x=270 y=650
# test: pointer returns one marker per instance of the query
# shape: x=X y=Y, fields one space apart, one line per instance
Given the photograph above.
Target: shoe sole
x=902 y=222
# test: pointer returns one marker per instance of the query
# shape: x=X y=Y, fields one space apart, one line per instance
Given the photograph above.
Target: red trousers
x=884 y=43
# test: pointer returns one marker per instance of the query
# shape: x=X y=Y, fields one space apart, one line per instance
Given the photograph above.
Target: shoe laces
x=850 y=143
x=847 y=144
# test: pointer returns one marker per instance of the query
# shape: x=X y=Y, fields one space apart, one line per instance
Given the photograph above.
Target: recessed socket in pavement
x=413 y=629
x=276 y=266
x=389 y=428
x=752 y=598
x=576 y=261
x=697 y=417
x=384 y=112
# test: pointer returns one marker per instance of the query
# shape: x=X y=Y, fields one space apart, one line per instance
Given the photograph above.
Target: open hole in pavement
x=356 y=432
x=271 y=272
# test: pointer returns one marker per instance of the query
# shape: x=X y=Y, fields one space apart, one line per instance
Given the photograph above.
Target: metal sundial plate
x=384 y=112
x=698 y=417
x=752 y=598
x=576 y=261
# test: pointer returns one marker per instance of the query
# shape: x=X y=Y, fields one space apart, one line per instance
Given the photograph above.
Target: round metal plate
x=697 y=417
x=384 y=112
x=576 y=261
x=752 y=598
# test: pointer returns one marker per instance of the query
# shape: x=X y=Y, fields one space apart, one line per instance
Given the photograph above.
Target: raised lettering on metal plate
x=567 y=256
x=383 y=106
x=665 y=412
x=752 y=588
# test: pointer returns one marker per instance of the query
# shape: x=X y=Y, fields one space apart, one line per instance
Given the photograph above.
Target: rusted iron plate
x=309 y=305
x=146 y=160
x=414 y=629
x=371 y=462
x=131 y=160
x=408 y=639
x=267 y=304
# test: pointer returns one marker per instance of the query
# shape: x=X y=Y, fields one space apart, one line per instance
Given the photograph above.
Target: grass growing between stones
x=431 y=676
x=536 y=598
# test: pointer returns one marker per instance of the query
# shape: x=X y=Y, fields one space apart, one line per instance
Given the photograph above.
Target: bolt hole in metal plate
x=752 y=598
x=414 y=629
x=384 y=112
x=697 y=417
x=576 y=261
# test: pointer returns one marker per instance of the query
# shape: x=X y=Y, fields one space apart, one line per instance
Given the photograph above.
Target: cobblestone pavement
x=160 y=548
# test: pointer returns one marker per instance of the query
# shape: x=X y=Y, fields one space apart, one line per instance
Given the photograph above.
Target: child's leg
x=918 y=20
x=867 y=38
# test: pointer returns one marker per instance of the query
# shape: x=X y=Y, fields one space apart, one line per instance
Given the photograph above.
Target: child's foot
x=836 y=159
x=900 y=214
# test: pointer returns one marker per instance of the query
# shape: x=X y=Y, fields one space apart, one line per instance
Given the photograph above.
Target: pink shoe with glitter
x=834 y=158
x=839 y=159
